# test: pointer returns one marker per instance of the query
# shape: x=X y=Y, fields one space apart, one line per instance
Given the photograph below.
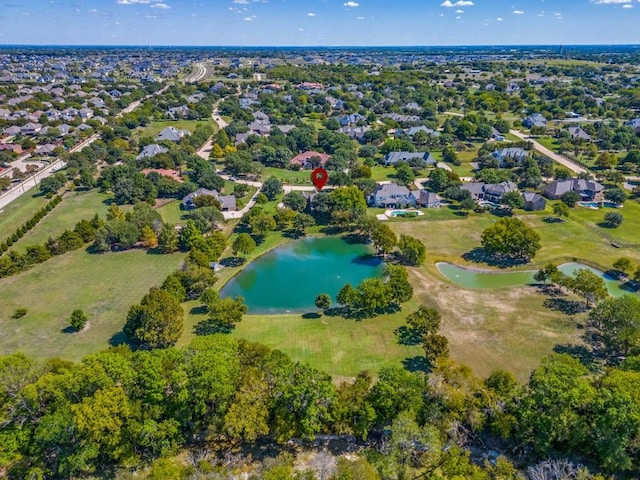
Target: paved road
x=552 y=155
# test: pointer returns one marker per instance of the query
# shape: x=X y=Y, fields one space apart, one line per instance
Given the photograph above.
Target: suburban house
x=411 y=131
x=490 y=192
x=309 y=160
x=578 y=133
x=351 y=119
x=394 y=157
x=172 y=134
x=426 y=199
x=151 y=150
x=588 y=189
x=391 y=195
x=635 y=124
x=496 y=135
x=355 y=132
x=227 y=202
x=514 y=153
x=535 y=120
x=30 y=128
x=179 y=112
x=533 y=201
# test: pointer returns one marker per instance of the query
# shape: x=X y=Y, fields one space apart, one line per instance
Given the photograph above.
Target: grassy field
x=291 y=177
x=154 y=128
x=625 y=233
x=75 y=206
x=104 y=286
x=171 y=213
x=19 y=211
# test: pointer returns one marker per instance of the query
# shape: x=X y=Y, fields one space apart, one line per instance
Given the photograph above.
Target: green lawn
x=154 y=128
x=171 y=212
x=627 y=233
x=75 y=206
x=291 y=177
x=383 y=174
x=104 y=286
x=19 y=211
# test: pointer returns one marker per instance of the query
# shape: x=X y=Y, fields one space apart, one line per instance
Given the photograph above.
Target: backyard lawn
x=154 y=128
x=291 y=177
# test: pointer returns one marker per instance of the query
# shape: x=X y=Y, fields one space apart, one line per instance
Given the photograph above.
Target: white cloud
x=518 y=12
x=541 y=14
x=311 y=14
x=351 y=4
x=459 y=11
x=459 y=3
x=499 y=19
x=301 y=29
x=610 y=2
x=133 y=2
x=627 y=6
x=359 y=18
x=247 y=2
x=250 y=19
x=161 y=5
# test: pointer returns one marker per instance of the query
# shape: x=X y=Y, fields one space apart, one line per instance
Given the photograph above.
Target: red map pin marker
x=319 y=177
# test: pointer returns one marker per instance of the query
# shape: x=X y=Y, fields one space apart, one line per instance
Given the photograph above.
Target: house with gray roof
x=635 y=124
x=179 y=112
x=392 y=158
x=188 y=201
x=535 y=120
x=391 y=195
x=516 y=154
x=411 y=131
x=533 y=201
x=151 y=151
x=589 y=190
x=578 y=133
x=355 y=132
x=172 y=134
x=490 y=192
x=426 y=199
x=351 y=119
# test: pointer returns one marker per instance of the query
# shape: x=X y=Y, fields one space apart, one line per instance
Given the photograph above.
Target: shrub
x=19 y=313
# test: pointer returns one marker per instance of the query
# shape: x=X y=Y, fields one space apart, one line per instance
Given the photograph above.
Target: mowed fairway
x=507 y=328
x=104 y=286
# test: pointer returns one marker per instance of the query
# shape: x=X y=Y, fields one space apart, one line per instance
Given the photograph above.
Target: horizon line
x=495 y=45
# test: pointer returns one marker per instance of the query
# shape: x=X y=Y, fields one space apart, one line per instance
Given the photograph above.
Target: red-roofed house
x=310 y=159
x=165 y=173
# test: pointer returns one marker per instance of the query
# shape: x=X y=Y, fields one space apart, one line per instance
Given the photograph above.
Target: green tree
x=545 y=273
x=613 y=219
x=168 y=239
x=384 y=239
x=624 y=265
x=467 y=204
x=412 y=250
x=78 y=319
x=570 y=198
x=398 y=286
x=589 y=285
x=148 y=237
x=295 y=201
x=223 y=311
x=302 y=221
x=617 y=320
x=404 y=173
x=438 y=179
x=510 y=238
x=156 y=322
x=272 y=187
x=348 y=199
x=262 y=224
x=323 y=301
x=435 y=346
x=512 y=200
x=346 y=295
x=425 y=320
x=243 y=244
x=560 y=210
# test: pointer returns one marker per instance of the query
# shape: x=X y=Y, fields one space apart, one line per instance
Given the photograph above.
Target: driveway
x=552 y=155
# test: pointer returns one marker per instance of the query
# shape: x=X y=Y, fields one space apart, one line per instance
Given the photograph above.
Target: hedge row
x=29 y=224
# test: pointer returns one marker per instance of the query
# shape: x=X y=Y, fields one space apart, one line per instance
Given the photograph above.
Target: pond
x=490 y=279
x=289 y=278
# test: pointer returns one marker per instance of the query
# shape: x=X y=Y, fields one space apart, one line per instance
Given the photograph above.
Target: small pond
x=491 y=279
x=289 y=278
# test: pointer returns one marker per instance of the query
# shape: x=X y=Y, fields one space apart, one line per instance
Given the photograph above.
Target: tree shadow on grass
x=119 y=338
x=408 y=336
x=565 y=305
x=418 y=363
x=607 y=225
x=311 y=316
x=479 y=255
x=549 y=219
x=199 y=310
x=68 y=329
x=232 y=261
x=580 y=352
x=210 y=327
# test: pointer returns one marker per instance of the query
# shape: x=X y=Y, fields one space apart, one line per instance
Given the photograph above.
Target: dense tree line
x=29 y=224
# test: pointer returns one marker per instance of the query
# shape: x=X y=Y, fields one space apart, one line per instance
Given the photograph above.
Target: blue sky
x=319 y=22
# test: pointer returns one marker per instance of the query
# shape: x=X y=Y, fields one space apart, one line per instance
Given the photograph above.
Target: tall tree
x=156 y=322
x=510 y=238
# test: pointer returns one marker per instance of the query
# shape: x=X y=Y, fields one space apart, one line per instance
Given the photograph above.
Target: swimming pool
x=403 y=213
x=596 y=205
